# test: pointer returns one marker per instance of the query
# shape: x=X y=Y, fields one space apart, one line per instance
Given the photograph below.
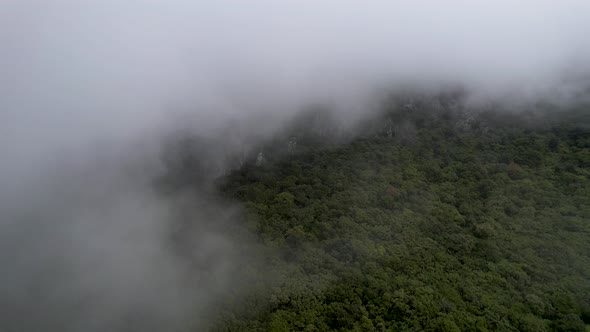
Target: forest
x=428 y=218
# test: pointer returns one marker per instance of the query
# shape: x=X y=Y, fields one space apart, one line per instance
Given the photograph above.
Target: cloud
x=88 y=89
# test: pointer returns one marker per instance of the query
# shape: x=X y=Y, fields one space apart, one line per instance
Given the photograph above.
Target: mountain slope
x=479 y=229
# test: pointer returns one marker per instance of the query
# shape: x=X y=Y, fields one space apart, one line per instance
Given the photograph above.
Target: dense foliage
x=455 y=223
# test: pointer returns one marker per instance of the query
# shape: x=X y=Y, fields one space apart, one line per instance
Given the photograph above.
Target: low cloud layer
x=103 y=68
x=89 y=88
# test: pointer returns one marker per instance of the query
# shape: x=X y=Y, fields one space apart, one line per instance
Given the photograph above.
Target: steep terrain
x=447 y=222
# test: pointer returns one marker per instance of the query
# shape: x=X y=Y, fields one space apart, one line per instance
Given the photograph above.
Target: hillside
x=482 y=227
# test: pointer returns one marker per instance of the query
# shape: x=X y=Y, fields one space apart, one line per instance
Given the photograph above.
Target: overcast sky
x=96 y=68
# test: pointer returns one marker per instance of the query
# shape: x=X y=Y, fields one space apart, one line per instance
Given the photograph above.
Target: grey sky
x=122 y=65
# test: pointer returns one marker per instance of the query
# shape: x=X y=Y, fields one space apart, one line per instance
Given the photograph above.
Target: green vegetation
x=453 y=225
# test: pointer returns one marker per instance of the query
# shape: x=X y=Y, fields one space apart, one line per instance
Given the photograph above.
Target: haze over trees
x=288 y=165
x=467 y=221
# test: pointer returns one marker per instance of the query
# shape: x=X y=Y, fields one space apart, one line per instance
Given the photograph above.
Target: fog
x=89 y=90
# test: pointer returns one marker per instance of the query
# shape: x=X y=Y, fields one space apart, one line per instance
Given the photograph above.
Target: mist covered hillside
x=294 y=165
x=480 y=226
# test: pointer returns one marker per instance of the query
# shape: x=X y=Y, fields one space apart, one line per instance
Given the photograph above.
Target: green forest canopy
x=461 y=225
